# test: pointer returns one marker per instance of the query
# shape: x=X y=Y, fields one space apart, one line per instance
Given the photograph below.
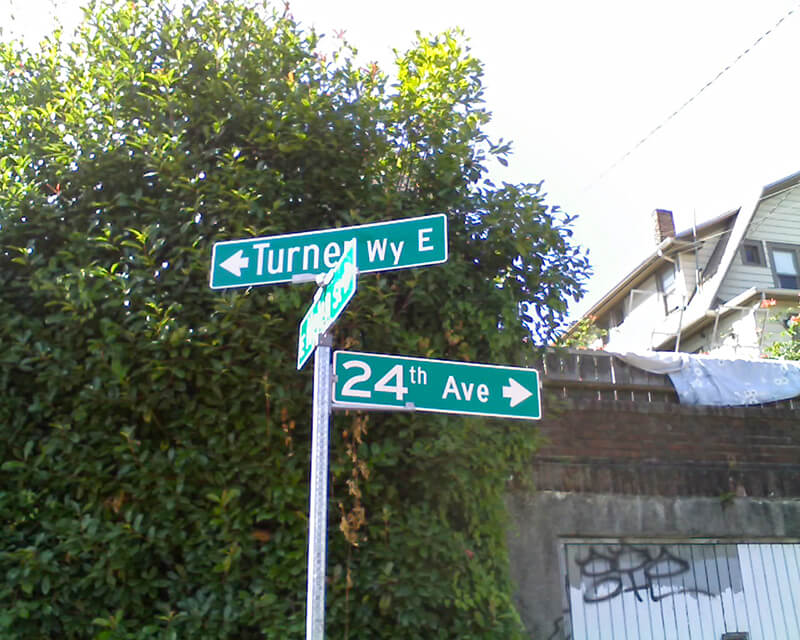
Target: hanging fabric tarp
x=708 y=380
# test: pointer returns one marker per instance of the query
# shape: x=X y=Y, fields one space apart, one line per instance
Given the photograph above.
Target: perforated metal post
x=318 y=509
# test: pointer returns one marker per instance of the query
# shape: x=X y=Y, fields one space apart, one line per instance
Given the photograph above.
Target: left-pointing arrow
x=236 y=263
x=515 y=392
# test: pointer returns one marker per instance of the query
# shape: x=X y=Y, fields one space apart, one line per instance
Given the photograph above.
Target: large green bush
x=154 y=434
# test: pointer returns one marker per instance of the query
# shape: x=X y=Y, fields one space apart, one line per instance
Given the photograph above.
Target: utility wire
x=727 y=68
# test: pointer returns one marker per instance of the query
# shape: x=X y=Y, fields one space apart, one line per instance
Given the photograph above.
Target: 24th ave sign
x=377 y=381
x=396 y=244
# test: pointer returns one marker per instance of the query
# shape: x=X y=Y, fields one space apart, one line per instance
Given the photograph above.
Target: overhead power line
x=666 y=120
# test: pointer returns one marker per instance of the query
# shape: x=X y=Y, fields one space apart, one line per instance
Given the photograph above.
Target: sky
x=577 y=84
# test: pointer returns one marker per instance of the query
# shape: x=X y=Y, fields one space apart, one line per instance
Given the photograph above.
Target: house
x=646 y=518
x=659 y=511
x=725 y=287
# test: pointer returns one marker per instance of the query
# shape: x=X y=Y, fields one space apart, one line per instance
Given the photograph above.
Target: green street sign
x=376 y=381
x=383 y=246
x=331 y=298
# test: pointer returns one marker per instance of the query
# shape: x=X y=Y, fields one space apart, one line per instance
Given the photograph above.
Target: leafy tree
x=154 y=433
x=788 y=349
x=584 y=334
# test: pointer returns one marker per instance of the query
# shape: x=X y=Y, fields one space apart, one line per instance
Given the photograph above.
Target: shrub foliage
x=154 y=433
x=789 y=347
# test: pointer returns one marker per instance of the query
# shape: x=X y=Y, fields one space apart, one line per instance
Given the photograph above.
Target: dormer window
x=785 y=266
x=667 y=285
x=616 y=316
x=751 y=254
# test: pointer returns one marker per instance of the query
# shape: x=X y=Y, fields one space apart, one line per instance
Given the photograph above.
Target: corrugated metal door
x=682 y=591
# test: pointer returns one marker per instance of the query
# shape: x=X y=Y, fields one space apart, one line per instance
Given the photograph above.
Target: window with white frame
x=617 y=315
x=668 y=286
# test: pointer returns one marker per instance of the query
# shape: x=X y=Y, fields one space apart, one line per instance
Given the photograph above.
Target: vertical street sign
x=377 y=381
x=331 y=298
x=383 y=246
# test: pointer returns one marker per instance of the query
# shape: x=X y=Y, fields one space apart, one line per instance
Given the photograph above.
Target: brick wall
x=667 y=449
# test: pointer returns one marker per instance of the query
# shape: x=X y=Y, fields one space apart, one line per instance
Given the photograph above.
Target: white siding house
x=726 y=286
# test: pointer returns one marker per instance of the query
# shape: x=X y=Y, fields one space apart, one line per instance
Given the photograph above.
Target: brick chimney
x=663 y=225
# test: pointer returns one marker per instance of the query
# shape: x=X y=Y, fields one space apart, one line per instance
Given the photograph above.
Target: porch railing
x=597 y=375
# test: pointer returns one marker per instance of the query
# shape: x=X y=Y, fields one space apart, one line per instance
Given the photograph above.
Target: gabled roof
x=781 y=185
x=738 y=233
x=682 y=241
x=706 y=300
x=736 y=222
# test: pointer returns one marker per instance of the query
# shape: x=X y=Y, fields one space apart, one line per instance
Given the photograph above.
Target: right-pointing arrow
x=236 y=263
x=516 y=392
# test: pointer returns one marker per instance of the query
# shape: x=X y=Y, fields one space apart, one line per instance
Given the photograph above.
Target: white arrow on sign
x=236 y=263
x=516 y=392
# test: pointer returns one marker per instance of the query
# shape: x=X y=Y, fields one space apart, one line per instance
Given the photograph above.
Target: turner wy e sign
x=383 y=246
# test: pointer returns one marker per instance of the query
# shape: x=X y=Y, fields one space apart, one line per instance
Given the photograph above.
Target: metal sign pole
x=318 y=510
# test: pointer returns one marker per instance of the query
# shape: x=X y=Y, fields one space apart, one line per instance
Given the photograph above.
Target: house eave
x=707 y=227
x=683 y=241
x=781 y=185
